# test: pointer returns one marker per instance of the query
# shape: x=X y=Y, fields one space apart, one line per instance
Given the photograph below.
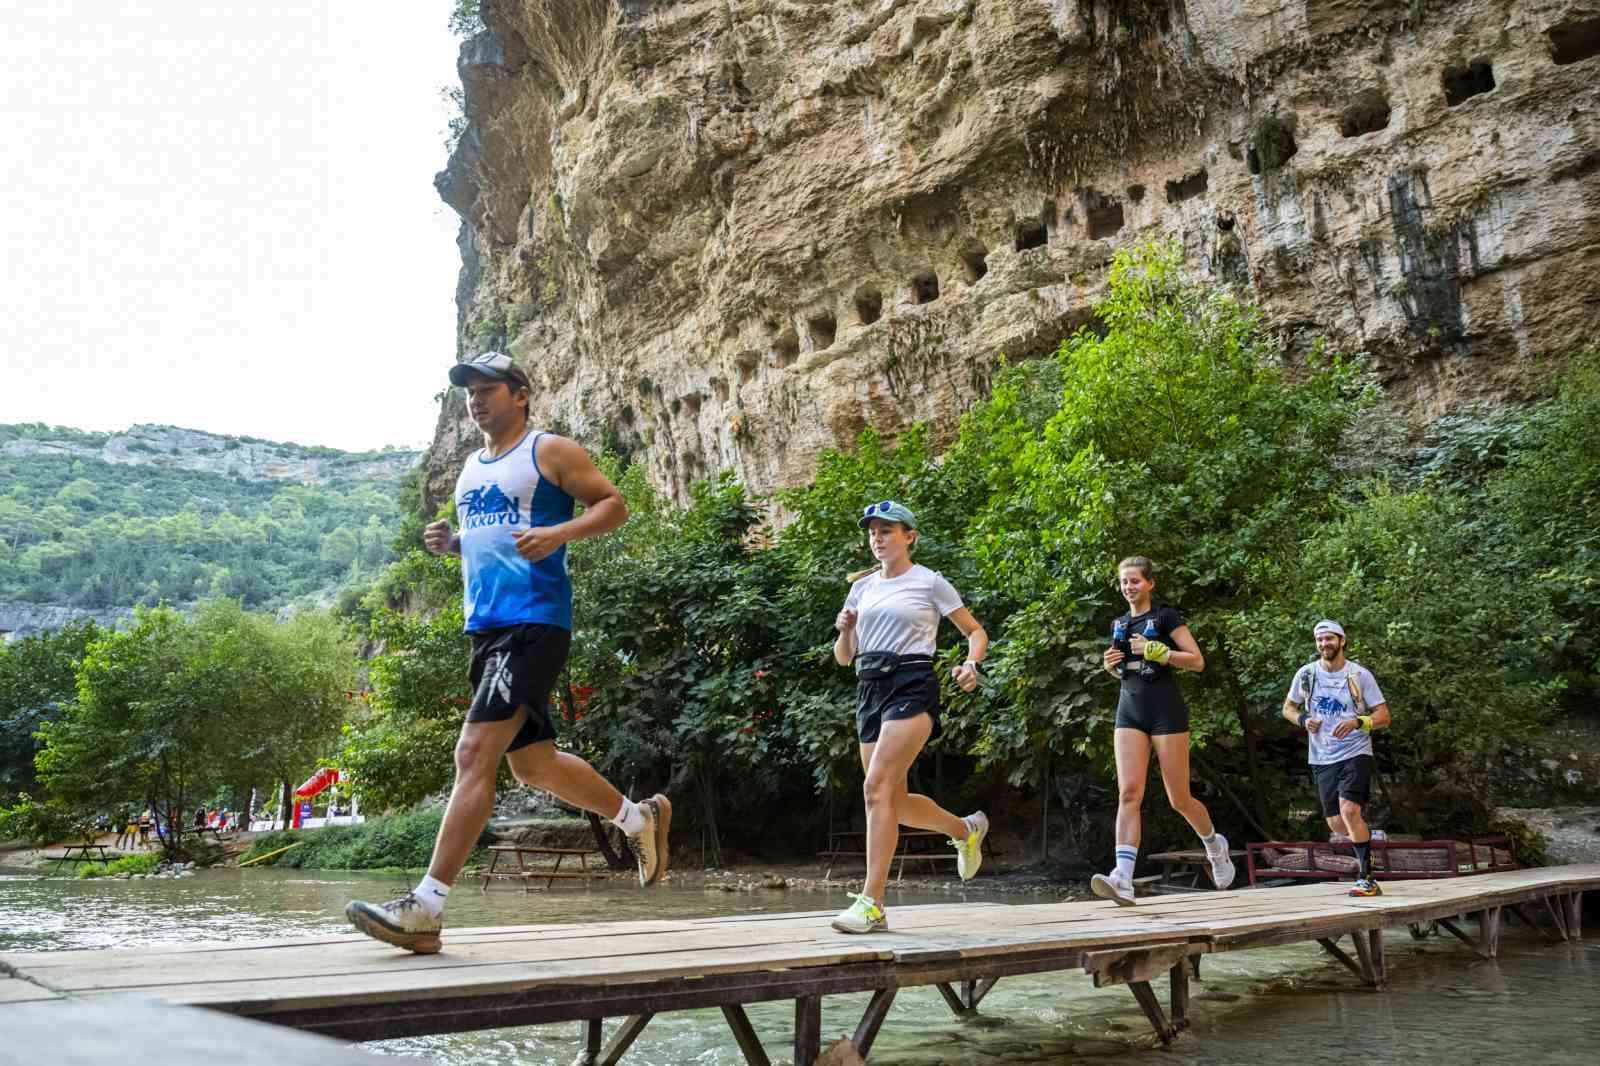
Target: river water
x=1536 y=1004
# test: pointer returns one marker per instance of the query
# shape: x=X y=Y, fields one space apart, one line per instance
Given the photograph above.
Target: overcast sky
x=221 y=215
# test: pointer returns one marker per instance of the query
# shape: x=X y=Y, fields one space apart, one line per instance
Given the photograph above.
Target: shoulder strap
x=1353 y=683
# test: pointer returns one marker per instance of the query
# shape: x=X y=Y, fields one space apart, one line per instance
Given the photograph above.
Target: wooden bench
x=83 y=855
x=1192 y=865
x=528 y=874
x=914 y=846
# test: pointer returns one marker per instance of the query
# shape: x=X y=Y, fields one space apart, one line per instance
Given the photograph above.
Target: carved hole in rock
x=1135 y=193
x=823 y=329
x=1271 y=143
x=976 y=261
x=746 y=362
x=925 y=288
x=1225 y=222
x=1187 y=187
x=1032 y=233
x=1103 y=215
x=692 y=401
x=869 y=306
x=786 y=349
x=1463 y=83
x=719 y=386
x=1369 y=113
x=1574 y=42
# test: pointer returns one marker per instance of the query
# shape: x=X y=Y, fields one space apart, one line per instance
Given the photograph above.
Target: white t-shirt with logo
x=901 y=614
x=1330 y=700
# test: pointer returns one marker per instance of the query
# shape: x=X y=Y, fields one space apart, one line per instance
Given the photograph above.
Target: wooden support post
x=591 y=1042
x=1194 y=966
x=1489 y=931
x=1364 y=953
x=1455 y=930
x=1557 y=918
x=1180 y=996
x=952 y=1000
x=807 y=1030
x=1152 y=1009
x=1572 y=911
x=1332 y=948
x=631 y=1028
x=1380 y=976
x=872 y=1020
x=978 y=990
x=744 y=1034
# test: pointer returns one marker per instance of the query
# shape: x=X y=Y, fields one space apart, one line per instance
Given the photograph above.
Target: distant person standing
x=1338 y=703
x=515 y=500
x=1150 y=643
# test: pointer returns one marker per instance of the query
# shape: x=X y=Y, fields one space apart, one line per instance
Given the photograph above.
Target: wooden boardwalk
x=357 y=989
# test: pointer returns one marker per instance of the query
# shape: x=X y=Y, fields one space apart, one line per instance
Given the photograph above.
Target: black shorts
x=517 y=667
x=909 y=691
x=1350 y=778
x=1157 y=709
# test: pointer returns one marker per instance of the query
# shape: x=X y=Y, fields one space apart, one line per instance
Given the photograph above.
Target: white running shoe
x=969 y=852
x=862 y=916
x=650 y=843
x=403 y=922
x=1222 y=871
x=1110 y=886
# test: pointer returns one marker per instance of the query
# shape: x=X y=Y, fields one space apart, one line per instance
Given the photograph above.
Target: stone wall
x=731 y=233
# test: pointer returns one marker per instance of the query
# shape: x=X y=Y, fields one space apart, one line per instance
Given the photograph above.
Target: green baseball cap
x=889 y=511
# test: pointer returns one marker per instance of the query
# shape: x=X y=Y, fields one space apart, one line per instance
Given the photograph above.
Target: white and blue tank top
x=496 y=500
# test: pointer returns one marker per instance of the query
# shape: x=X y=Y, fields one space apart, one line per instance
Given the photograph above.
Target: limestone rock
x=732 y=233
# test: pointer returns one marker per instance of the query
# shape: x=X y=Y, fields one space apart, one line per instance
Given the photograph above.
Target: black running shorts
x=911 y=690
x=517 y=667
x=1350 y=778
x=1156 y=708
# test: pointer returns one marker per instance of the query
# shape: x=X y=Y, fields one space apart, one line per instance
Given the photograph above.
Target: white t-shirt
x=901 y=614
x=1330 y=700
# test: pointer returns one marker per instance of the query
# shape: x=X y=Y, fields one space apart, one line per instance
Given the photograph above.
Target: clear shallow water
x=1536 y=1004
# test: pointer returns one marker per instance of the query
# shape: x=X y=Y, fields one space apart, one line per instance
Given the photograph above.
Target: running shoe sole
x=1233 y=872
x=663 y=808
x=1103 y=887
x=977 y=848
x=881 y=926
x=369 y=920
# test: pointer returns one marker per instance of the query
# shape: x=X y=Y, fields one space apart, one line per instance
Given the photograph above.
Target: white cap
x=1327 y=626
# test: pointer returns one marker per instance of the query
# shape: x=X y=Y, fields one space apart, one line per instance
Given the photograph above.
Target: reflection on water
x=1536 y=1003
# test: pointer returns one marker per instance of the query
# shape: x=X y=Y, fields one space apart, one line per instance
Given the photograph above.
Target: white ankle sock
x=629 y=819
x=972 y=826
x=1127 y=855
x=1212 y=842
x=431 y=893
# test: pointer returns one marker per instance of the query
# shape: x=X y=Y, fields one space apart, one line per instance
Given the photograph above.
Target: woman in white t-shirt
x=887 y=629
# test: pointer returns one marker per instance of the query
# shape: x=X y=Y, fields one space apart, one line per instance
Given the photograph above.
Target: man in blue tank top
x=515 y=502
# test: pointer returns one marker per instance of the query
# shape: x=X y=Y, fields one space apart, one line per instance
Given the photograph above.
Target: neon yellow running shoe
x=862 y=916
x=969 y=852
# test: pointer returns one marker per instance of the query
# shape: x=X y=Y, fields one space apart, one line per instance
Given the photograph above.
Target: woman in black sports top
x=1148 y=644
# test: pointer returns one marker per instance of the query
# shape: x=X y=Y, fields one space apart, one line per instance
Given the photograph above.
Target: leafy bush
x=143 y=863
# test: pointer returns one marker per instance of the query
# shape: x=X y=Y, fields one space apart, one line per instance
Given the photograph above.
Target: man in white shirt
x=1338 y=703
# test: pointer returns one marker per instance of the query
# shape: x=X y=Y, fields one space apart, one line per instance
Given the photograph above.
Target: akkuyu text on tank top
x=496 y=501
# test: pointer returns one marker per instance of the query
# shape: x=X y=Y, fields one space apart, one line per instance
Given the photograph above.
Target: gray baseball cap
x=889 y=511
x=496 y=366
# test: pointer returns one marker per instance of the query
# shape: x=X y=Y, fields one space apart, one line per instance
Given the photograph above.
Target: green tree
x=38 y=678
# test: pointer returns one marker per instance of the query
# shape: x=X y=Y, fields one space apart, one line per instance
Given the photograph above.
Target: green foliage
x=89 y=533
x=1528 y=845
x=401 y=840
x=142 y=863
x=41 y=821
x=38 y=677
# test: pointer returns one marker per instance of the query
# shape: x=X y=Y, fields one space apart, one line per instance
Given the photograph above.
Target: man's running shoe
x=650 y=843
x=969 y=852
x=862 y=916
x=1110 y=886
x=403 y=922
x=1365 y=886
x=1222 y=871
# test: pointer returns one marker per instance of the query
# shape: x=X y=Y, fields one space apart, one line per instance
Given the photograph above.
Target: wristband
x=1300 y=720
x=1365 y=722
x=971 y=663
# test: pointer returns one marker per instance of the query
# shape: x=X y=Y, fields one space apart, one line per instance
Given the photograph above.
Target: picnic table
x=1181 y=871
x=83 y=854
x=914 y=846
x=528 y=874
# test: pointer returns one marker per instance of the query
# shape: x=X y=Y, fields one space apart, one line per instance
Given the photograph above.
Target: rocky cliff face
x=731 y=233
x=172 y=448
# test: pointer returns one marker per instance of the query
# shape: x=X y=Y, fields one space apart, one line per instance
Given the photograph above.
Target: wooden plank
x=13 y=990
x=1130 y=965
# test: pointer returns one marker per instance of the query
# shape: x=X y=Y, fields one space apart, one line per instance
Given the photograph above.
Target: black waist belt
x=877 y=665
